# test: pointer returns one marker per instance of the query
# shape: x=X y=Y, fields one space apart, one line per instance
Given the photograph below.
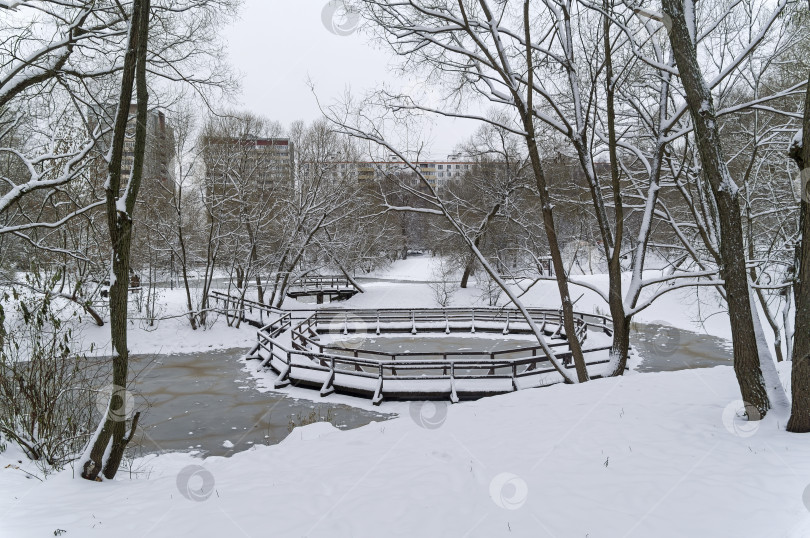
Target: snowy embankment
x=171 y=333
x=648 y=455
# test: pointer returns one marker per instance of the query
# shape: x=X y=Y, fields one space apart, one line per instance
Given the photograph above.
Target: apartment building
x=247 y=169
x=159 y=154
x=437 y=173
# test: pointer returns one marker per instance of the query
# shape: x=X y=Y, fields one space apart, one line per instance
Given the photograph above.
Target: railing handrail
x=342 y=358
x=227 y=298
x=431 y=365
x=298 y=353
x=410 y=314
x=555 y=311
x=319 y=279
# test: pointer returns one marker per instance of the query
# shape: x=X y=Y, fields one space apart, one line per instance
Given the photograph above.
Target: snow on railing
x=246 y=310
x=296 y=355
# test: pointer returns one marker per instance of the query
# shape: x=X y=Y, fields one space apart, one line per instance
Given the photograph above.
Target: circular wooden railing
x=292 y=348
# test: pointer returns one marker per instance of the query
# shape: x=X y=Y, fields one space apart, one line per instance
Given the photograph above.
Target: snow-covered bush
x=442 y=285
x=46 y=401
x=490 y=289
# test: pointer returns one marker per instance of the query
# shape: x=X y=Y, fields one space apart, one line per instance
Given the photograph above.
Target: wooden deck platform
x=291 y=349
x=335 y=287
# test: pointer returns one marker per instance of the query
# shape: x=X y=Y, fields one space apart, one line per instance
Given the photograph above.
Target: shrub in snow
x=490 y=290
x=303 y=419
x=441 y=285
x=46 y=400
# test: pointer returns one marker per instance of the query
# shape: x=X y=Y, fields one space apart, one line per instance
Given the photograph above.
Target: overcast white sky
x=278 y=44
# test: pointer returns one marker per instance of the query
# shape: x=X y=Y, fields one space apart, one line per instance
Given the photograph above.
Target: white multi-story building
x=437 y=173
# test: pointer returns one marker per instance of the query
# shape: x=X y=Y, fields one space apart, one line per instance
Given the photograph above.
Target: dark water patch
x=203 y=401
x=206 y=402
x=667 y=349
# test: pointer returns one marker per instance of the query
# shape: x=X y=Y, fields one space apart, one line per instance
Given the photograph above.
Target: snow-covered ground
x=172 y=334
x=648 y=455
x=405 y=285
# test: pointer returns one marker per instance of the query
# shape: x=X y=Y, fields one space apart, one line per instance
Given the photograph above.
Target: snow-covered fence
x=251 y=312
x=295 y=352
x=341 y=287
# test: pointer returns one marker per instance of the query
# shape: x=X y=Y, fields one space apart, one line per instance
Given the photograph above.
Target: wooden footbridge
x=335 y=287
x=294 y=350
x=244 y=310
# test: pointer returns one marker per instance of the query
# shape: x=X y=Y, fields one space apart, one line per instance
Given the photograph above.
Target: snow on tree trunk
x=776 y=392
x=800 y=380
x=109 y=445
x=726 y=195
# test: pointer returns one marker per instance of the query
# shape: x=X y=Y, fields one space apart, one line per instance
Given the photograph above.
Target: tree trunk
x=178 y=203
x=800 y=381
x=468 y=267
x=527 y=118
x=211 y=250
x=620 y=346
x=191 y=317
x=2 y=327
x=726 y=195
x=111 y=439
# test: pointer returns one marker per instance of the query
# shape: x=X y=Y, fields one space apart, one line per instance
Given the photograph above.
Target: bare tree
x=326 y=197
x=725 y=192
x=495 y=197
x=46 y=59
x=485 y=60
x=177 y=223
x=248 y=171
x=358 y=124
x=107 y=448
x=173 y=52
x=800 y=381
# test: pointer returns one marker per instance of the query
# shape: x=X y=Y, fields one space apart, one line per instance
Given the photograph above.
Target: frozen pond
x=662 y=348
x=435 y=343
x=200 y=400
x=666 y=349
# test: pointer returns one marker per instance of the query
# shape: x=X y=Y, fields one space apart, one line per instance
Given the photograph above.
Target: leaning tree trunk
x=468 y=269
x=556 y=259
x=470 y=265
x=111 y=440
x=726 y=195
x=800 y=381
x=525 y=110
